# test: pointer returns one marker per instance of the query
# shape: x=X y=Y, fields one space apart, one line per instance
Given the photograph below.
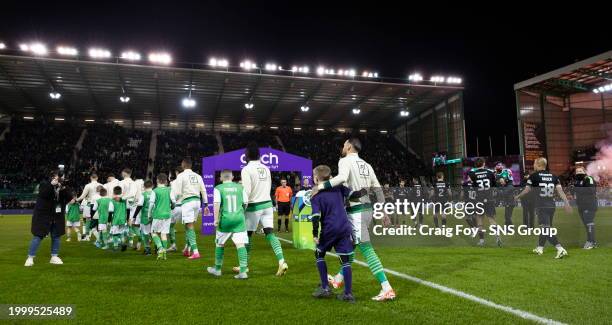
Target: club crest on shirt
x=363 y=168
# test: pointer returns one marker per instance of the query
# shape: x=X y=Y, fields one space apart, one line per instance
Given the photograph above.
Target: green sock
x=191 y=236
x=276 y=246
x=373 y=262
x=247 y=246
x=157 y=241
x=242 y=259
x=143 y=238
x=219 y=257
x=165 y=244
x=87 y=226
x=116 y=240
x=135 y=233
x=172 y=234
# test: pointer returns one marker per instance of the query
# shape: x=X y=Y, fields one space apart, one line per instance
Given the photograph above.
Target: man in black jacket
x=48 y=216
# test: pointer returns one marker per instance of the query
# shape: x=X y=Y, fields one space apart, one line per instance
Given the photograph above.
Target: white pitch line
x=517 y=312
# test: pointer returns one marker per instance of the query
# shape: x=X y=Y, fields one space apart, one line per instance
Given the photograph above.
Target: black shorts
x=545 y=215
x=284 y=208
x=489 y=208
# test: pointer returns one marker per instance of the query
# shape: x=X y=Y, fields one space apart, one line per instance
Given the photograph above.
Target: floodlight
x=189 y=102
x=416 y=77
x=68 y=51
x=161 y=58
x=124 y=99
x=98 y=53
x=304 y=108
x=55 y=95
x=356 y=111
x=131 y=56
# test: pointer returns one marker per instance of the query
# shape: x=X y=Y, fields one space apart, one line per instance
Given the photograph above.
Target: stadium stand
x=264 y=138
x=172 y=146
x=33 y=147
x=110 y=148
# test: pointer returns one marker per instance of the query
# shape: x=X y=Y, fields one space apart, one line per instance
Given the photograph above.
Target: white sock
x=195 y=251
x=386 y=286
x=559 y=247
x=281 y=261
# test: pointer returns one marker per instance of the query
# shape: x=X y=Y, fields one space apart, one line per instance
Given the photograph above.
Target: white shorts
x=101 y=227
x=87 y=211
x=135 y=219
x=361 y=221
x=264 y=216
x=190 y=211
x=161 y=226
x=146 y=229
x=177 y=214
x=237 y=237
x=73 y=223
x=118 y=229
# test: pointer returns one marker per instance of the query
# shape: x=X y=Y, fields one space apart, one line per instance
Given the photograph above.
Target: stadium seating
x=32 y=148
x=172 y=146
x=108 y=148
x=234 y=141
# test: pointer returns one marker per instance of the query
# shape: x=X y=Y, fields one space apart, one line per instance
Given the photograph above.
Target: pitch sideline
x=517 y=312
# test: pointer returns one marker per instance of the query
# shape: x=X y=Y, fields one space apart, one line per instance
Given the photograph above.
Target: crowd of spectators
x=108 y=148
x=386 y=155
x=173 y=146
x=32 y=148
x=239 y=140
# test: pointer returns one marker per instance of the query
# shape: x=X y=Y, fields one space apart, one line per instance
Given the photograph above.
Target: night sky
x=491 y=51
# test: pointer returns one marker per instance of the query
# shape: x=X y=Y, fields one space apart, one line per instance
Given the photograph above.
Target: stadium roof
x=582 y=76
x=92 y=89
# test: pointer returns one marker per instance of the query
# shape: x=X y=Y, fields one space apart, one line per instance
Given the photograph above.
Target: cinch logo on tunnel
x=266 y=159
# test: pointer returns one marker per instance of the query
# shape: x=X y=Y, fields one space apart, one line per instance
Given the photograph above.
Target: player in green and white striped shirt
x=229 y=204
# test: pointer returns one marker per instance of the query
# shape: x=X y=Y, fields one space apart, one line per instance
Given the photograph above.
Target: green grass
x=128 y=287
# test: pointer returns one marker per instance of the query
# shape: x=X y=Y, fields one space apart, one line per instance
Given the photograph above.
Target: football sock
x=279 y=222
x=435 y=219
x=157 y=241
x=373 y=261
x=591 y=232
x=553 y=240
x=219 y=257
x=481 y=234
x=322 y=267
x=116 y=240
x=143 y=238
x=340 y=275
x=87 y=227
x=191 y=236
x=242 y=259
x=164 y=244
x=247 y=247
x=276 y=247
x=287 y=224
x=443 y=222
x=172 y=234
x=347 y=272
x=541 y=240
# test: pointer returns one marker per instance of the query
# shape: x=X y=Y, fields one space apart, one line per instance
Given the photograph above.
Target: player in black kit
x=545 y=183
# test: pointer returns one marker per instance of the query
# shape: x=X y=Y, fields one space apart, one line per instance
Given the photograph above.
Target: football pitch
x=127 y=287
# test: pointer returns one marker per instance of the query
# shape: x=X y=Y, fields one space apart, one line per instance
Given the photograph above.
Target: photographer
x=48 y=216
